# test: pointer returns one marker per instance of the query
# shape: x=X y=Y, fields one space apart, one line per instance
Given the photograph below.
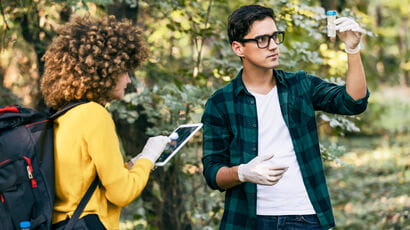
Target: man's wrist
x=353 y=51
x=240 y=175
x=227 y=177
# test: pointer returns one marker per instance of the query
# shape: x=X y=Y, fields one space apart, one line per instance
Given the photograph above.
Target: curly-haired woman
x=90 y=60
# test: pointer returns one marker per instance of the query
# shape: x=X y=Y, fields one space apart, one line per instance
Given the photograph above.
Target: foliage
x=191 y=58
x=166 y=107
x=388 y=112
x=26 y=29
x=8 y=98
x=372 y=192
x=389 y=55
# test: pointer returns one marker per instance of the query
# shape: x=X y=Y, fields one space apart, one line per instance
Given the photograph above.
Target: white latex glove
x=350 y=33
x=152 y=149
x=261 y=171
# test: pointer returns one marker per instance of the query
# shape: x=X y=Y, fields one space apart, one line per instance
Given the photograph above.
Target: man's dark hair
x=240 y=21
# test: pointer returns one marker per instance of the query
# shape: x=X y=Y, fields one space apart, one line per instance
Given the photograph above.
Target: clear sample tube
x=331 y=27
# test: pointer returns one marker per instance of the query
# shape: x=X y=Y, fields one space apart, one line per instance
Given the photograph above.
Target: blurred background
x=367 y=157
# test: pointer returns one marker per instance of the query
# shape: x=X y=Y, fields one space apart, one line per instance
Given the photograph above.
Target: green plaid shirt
x=230 y=137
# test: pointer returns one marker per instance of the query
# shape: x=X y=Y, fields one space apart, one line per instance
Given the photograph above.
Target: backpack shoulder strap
x=82 y=204
x=52 y=116
x=67 y=107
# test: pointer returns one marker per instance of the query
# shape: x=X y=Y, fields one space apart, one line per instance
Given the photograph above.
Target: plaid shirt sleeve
x=230 y=138
x=216 y=147
x=333 y=98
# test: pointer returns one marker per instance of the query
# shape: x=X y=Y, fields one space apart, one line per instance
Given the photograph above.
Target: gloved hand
x=350 y=33
x=152 y=149
x=261 y=171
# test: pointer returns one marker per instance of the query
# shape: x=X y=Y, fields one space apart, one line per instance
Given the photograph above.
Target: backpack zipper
x=30 y=172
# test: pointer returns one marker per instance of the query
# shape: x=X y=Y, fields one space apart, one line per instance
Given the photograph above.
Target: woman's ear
x=237 y=48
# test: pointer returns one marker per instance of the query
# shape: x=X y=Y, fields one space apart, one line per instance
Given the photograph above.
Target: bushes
x=388 y=112
x=372 y=191
x=7 y=97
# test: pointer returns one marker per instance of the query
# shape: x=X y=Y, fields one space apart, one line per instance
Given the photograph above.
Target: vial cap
x=25 y=224
x=331 y=12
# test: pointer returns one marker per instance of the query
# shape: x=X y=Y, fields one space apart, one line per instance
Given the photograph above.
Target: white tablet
x=179 y=137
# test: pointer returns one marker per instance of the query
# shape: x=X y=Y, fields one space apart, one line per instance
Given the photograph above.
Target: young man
x=260 y=136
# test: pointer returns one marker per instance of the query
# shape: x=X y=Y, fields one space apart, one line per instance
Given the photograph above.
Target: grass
x=372 y=190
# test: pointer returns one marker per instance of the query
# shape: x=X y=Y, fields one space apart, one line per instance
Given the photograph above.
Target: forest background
x=367 y=157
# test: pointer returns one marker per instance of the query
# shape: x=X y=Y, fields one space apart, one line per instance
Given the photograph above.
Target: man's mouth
x=273 y=56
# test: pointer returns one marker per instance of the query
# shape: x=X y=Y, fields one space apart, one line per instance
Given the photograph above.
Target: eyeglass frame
x=271 y=37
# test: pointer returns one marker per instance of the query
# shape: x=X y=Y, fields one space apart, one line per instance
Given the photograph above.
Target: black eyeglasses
x=264 y=40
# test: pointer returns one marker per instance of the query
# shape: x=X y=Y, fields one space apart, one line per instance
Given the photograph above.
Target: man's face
x=253 y=55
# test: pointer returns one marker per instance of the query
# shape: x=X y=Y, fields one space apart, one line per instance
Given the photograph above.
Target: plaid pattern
x=230 y=136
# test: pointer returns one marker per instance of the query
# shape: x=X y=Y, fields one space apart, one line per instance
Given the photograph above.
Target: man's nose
x=272 y=44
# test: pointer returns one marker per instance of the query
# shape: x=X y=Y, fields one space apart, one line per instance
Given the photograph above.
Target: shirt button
x=254 y=125
x=252 y=102
x=254 y=149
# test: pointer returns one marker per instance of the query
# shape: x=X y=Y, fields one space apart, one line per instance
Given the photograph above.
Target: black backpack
x=27 y=167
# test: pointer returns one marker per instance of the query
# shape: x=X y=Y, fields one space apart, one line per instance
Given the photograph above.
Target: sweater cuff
x=143 y=161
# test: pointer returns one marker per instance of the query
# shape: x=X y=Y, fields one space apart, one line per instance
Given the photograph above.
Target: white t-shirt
x=288 y=196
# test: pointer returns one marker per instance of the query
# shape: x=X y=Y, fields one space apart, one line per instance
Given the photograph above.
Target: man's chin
x=273 y=65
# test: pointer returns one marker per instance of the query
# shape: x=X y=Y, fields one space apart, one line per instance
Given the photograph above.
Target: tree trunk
x=380 y=49
x=333 y=5
x=167 y=210
x=121 y=9
x=403 y=40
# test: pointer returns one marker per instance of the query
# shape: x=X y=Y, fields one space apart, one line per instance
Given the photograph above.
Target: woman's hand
x=152 y=149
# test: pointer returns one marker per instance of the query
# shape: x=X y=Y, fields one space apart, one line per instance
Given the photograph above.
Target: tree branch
x=199 y=55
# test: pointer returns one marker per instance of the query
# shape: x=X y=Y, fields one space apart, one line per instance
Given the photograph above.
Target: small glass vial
x=331 y=27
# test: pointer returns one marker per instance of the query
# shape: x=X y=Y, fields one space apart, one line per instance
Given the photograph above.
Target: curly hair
x=84 y=61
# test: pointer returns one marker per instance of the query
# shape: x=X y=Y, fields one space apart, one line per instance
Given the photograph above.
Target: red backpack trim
x=11 y=109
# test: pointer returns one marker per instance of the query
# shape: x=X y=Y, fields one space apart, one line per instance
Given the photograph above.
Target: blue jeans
x=288 y=222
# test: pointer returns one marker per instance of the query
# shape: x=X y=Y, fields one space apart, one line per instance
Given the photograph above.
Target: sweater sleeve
x=121 y=185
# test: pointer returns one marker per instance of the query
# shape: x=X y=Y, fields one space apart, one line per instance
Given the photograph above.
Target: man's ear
x=237 y=48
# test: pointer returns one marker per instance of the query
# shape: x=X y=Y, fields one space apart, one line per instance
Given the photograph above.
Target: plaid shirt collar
x=239 y=87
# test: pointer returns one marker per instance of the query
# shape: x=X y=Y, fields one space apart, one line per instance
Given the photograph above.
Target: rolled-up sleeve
x=333 y=98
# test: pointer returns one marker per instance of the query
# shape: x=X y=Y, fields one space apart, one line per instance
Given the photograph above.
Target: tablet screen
x=178 y=137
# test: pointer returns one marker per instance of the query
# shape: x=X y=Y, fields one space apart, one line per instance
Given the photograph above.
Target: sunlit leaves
x=167 y=106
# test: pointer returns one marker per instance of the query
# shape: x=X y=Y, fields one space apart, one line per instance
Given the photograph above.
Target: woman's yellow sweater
x=86 y=144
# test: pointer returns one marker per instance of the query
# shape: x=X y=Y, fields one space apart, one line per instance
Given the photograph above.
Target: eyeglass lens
x=264 y=41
